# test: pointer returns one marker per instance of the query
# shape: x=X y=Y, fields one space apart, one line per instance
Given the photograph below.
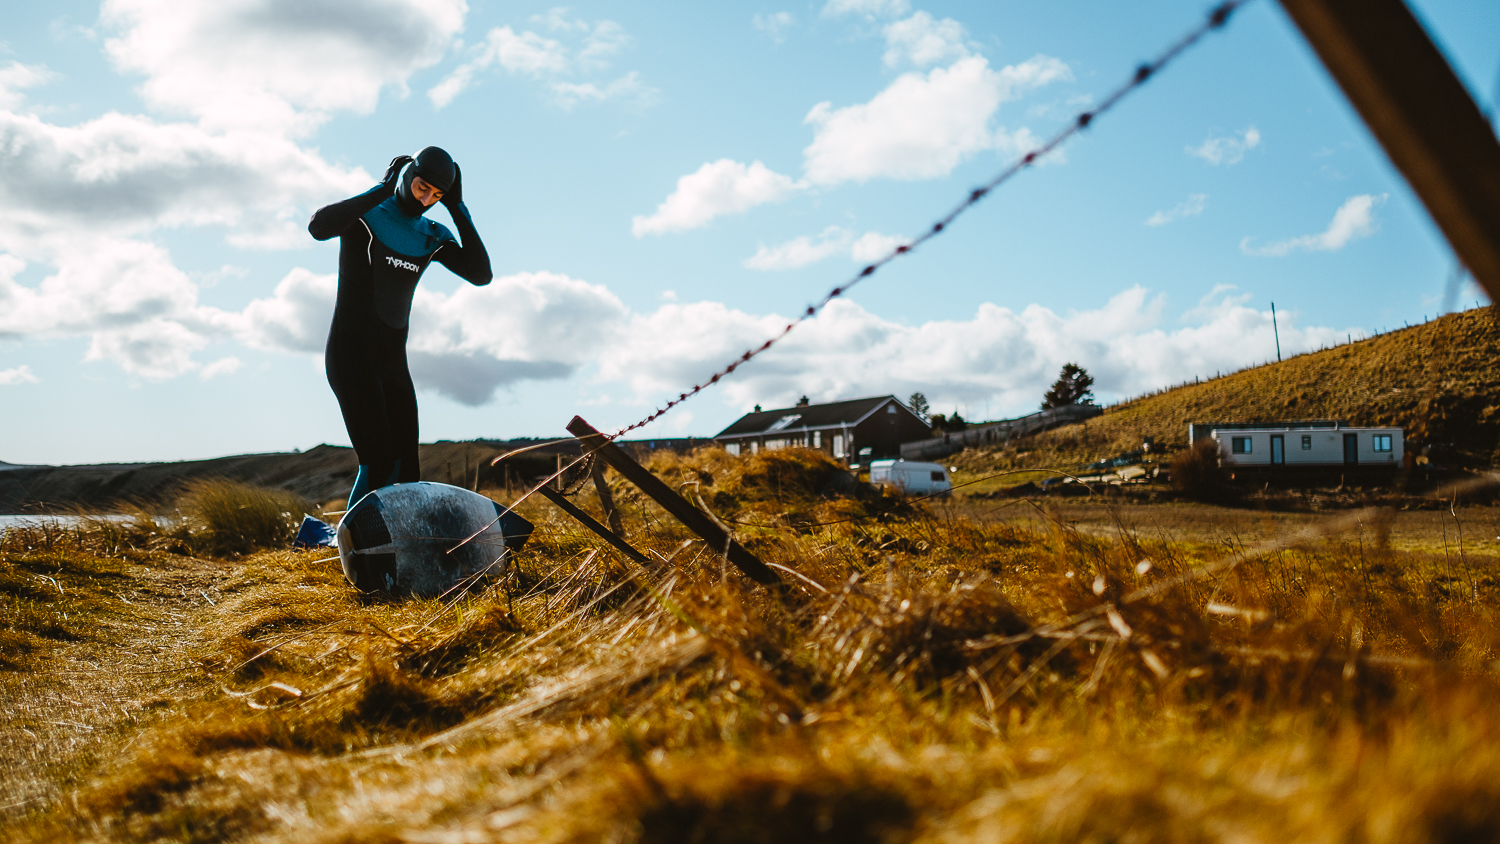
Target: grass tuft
x=229 y=518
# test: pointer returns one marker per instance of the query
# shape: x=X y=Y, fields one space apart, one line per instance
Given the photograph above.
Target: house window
x=754 y=447
x=890 y=408
x=775 y=443
x=732 y=448
x=1382 y=442
x=817 y=439
x=1307 y=442
x=838 y=445
x=1239 y=445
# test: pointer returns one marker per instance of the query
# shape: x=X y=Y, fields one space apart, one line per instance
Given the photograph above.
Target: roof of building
x=809 y=416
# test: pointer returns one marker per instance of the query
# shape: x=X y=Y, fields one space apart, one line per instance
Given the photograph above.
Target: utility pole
x=1276 y=331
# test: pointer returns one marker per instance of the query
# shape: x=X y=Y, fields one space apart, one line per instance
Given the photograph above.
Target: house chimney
x=757 y=408
x=803 y=402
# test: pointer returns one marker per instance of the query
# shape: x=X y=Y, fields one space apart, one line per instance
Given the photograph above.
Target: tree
x=918 y=405
x=1074 y=386
x=942 y=424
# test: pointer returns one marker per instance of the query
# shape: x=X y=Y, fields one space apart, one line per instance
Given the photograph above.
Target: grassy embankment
x=931 y=675
x=1437 y=380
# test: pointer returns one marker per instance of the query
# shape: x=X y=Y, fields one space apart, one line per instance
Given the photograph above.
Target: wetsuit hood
x=435 y=167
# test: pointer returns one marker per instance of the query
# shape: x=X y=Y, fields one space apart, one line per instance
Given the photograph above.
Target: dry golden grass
x=930 y=674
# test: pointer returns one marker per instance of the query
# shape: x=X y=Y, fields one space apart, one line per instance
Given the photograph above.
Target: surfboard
x=405 y=539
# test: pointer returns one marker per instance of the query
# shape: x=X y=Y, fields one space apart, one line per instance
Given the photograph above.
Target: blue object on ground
x=315 y=533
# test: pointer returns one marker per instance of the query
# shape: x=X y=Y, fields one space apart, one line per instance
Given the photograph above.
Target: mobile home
x=1272 y=445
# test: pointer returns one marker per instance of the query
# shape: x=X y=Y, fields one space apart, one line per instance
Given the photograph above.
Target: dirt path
x=58 y=725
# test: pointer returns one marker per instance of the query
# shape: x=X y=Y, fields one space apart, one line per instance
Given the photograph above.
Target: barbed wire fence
x=1216 y=18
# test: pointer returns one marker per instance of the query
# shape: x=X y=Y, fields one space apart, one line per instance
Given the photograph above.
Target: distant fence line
x=997 y=433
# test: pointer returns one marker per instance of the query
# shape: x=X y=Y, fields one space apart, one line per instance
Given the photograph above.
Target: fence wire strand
x=1216 y=19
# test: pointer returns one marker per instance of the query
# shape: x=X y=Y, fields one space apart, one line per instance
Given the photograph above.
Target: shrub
x=1197 y=473
x=227 y=517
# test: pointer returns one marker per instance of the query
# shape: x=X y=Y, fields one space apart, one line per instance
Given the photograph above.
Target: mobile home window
x=1382 y=442
x=1239 y=445
x=1307 y=442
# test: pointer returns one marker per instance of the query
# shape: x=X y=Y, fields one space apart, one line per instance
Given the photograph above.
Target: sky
x=662 y=186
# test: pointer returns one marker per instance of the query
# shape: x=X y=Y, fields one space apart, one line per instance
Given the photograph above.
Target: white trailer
x=1340 y=446
x=911 y=477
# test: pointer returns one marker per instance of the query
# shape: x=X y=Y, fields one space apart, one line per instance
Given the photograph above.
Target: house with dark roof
x=855 y=431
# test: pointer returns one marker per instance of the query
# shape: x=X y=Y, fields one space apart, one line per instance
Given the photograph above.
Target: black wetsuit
x=383 y=251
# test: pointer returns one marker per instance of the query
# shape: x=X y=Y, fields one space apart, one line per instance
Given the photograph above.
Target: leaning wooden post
x=588 y=521
x=694 y=519
x=606 y=500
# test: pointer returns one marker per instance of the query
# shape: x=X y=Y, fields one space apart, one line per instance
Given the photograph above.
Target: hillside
x=1438 y=380
x=319 y=474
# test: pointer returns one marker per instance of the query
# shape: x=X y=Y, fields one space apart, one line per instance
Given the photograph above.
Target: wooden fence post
x=588 y=521
x=694 y=519
x=606 y=500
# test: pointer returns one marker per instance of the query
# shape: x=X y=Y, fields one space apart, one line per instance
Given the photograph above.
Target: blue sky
x=660 y=186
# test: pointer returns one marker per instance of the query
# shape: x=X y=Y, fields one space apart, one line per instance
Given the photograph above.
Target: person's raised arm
x=332 y=220
x=468 y=260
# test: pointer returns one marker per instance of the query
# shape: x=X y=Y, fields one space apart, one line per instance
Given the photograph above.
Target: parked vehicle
x=910 y=476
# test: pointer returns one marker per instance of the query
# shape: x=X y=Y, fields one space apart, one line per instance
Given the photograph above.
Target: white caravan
x=911 y=477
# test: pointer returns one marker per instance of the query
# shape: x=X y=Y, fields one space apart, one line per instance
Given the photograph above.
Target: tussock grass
x=223 y=517
x=930 y=675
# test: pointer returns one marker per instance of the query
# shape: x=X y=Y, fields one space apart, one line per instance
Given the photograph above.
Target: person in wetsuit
x=385 y=244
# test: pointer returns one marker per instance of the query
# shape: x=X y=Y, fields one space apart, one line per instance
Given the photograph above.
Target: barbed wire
x=1216 y=19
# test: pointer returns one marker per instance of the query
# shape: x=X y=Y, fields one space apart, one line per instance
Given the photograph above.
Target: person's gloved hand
x=393 y=172
x=454 y=194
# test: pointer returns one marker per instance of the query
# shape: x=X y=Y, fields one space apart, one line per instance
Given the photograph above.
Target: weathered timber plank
x=694 y=519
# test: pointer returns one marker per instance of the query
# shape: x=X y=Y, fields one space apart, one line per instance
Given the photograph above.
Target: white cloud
x=867 y=8
x=717 y=188
x=557 y=20
x=629 y=86
x=222 y=366
x=923 y=41
x=282 y=64
x=296 y=316
x=1355 y=219
x=1227 y=149
x=1004 y=356
x=834 y=240
x=922 y=125
x=123 y=174
x=800 y=251
x=605 y=40
x=549 y=60
x=872 y=246
x=17 y=375
x=526 y=53
x=477 y=340
x=464 y=345
x=774 y=25
x=1190 y=207
x=16 y=78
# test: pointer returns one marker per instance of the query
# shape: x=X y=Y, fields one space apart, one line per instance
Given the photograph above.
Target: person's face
x=425 y=193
